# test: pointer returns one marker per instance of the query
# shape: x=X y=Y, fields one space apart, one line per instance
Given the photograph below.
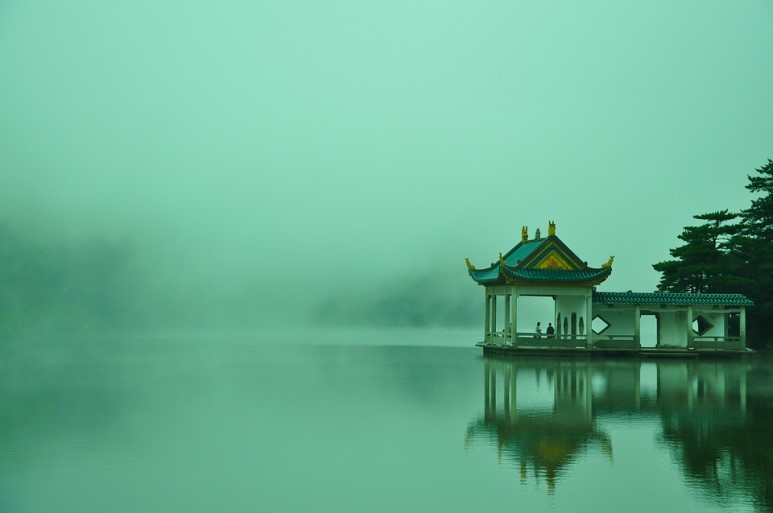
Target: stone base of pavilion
x=621 y=346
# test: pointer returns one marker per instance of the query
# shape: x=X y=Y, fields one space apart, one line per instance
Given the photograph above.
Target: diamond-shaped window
x=599 y=325
x=701 y=325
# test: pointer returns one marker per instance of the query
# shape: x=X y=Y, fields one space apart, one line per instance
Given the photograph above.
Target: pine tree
x=724 y=256
x=758 y=219
x=756 y=253
x=701 y=264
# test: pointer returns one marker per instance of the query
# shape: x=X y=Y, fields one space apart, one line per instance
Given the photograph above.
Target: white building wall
x=622 y=322
x=673 y=329
x=718 y=321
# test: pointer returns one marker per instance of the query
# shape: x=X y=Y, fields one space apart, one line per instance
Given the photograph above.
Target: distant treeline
x=51 y=284
x=58 y=286
x=731 y=252
x=55 y=284
x=418 y=300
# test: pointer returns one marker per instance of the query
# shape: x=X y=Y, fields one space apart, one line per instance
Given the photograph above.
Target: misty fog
x=251 y=164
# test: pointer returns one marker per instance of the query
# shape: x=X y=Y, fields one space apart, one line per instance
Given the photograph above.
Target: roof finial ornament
x=551 y=228
x=469 y=265
x=524 y=234
x=501 y=260
x=608 y=262
x=537 y=234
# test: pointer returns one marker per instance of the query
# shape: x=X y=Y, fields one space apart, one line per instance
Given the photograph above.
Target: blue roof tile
x=522 y=251
x=558 y=275
x=520 y=262
x=670 y=298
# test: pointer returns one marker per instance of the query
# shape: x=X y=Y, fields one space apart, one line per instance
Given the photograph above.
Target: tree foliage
x=701 y=263
x=731 y=253
x=60 y=287
x=758 y=218
x=756 y=250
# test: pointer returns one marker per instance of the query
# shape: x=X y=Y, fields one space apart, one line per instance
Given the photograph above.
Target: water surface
x=379 y=421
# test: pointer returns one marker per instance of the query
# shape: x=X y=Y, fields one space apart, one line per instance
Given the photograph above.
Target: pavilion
x=586 y=320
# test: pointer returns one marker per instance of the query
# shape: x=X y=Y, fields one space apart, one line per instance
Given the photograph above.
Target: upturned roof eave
x=509 y=275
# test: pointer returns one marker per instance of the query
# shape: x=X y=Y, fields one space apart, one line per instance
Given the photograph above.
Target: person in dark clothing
x=550 y=331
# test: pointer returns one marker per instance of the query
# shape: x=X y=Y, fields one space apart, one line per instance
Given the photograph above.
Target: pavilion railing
x=502 y=338
x=551 y=341
x=615 y=341
x=717 y=343
x=497 y=338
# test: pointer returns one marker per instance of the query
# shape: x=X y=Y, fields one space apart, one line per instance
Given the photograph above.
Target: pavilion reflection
x=543 y=413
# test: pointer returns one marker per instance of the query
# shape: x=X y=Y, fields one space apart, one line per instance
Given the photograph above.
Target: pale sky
x=314 y=148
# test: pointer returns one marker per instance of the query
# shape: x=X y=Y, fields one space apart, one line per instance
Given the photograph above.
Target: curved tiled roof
x=671 y=298
x=526 y=263
x=489 y=275
x=558 y=275
x=522 y=251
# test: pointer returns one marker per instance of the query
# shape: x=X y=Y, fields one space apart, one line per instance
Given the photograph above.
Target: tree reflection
x=721 y=437
x=715 y=416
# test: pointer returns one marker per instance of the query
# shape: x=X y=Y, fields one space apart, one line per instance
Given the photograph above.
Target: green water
x=380 y=421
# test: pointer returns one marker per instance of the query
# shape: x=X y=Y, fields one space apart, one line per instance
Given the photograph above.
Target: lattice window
x=701 y=325
x=599 y=325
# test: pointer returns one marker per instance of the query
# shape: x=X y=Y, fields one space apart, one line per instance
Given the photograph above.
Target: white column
x=507 y=315
x=689 y=327
x=493 y=317
x=589 y=318
x=487 y=320
x=514 y=315
x=637 y=328
x=742 y=322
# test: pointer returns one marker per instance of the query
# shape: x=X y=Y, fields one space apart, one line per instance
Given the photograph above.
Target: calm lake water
x=374 y=421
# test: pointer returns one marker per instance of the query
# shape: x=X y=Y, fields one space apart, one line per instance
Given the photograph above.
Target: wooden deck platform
x=644 y=352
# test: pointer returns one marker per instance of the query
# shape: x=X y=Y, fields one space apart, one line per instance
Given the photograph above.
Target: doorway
x=649 y=330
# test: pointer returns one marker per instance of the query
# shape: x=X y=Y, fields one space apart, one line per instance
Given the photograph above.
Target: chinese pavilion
x=585 y=319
